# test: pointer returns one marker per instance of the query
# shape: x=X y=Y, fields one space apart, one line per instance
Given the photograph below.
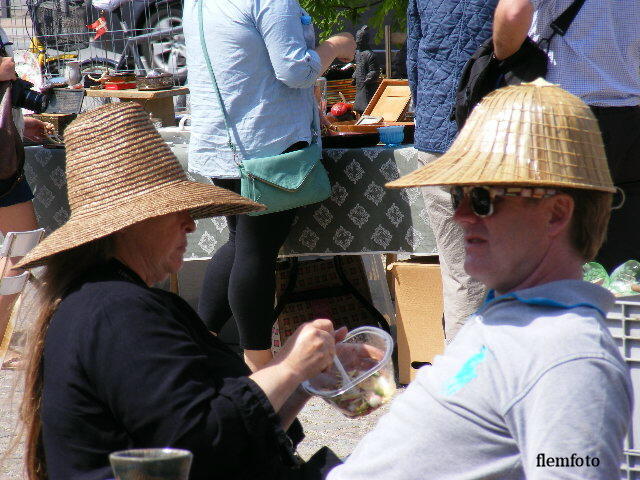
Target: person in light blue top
x=265 y=61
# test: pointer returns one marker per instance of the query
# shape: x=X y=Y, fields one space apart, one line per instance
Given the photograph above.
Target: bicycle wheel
x=91 y=70
x=166 y=54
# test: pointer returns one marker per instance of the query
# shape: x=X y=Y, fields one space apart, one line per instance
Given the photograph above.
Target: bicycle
x=130 y=60
x=61 y=25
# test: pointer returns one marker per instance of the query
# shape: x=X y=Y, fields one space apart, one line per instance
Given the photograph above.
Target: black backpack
x=484 y=73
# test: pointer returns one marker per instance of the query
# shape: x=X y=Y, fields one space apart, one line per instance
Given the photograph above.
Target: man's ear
x=561 y=212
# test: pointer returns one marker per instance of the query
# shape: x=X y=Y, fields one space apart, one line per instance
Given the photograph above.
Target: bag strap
x=3 y=48
x=561 y=24
x=10 y=133
x=205 y=51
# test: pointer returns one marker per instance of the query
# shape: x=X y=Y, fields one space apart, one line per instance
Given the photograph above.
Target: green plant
x=331 y=16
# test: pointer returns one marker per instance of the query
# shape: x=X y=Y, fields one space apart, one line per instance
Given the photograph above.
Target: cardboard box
x=418 y=300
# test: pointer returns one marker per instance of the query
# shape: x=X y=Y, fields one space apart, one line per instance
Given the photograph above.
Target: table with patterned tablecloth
x=361 y=216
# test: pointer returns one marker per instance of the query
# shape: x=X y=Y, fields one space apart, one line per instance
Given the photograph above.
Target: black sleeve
x=166 y=390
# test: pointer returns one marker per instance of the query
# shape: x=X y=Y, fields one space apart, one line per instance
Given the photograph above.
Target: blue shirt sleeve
x=279 y=23
x=414 y=34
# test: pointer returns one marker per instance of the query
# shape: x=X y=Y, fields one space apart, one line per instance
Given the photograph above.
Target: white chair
x=16 y=244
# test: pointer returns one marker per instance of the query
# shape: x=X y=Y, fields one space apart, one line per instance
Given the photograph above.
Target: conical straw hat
x=532 y=134
x=121 y=172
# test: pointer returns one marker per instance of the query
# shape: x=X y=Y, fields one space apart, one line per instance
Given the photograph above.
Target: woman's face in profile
x=155 y=247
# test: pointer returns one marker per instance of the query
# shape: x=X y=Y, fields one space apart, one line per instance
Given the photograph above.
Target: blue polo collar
x=526 y=297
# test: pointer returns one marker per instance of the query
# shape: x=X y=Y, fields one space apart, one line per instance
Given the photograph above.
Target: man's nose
x=189 y=223
x=464 y=214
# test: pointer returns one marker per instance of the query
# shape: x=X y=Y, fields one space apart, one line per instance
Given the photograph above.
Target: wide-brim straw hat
x=534 y=134
x=121 y=172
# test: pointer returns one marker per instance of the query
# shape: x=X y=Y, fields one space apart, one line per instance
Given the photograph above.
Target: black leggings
x=240 y=277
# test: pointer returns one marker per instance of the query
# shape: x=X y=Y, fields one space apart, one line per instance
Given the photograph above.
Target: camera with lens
x=24 y=97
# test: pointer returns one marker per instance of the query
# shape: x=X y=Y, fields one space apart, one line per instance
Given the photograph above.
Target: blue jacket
x=442 y=35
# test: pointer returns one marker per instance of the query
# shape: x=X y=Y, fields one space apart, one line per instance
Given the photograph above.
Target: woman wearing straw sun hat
x=533 y=386
x=116 y=364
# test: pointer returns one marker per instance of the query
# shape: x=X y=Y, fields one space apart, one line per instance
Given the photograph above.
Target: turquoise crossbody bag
x=281 y=182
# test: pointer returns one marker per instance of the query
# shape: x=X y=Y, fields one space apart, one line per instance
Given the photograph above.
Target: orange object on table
x=119 y=85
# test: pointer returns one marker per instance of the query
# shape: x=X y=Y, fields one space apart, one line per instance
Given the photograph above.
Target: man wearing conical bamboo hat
x=533 y=386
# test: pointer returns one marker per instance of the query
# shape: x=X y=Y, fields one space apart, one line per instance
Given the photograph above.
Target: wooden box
x=336 y=87
x=390 y=101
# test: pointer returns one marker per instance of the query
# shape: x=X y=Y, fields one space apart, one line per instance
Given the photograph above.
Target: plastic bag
x=595 y=273
x=108 y=5
x=623 y=279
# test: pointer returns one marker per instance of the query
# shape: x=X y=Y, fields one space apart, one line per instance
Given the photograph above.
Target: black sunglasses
x=482 y=197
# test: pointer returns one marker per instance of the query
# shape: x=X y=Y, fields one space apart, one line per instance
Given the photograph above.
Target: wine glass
x=151 y=463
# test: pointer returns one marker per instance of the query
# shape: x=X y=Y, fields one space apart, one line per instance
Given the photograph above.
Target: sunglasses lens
x=481 y=201
x=456 y=196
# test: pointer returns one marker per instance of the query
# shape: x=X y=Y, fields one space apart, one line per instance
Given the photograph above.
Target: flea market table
x=361 y=216
x=159 y=103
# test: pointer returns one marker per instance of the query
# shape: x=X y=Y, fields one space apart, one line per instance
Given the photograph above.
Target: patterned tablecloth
x=361 y=216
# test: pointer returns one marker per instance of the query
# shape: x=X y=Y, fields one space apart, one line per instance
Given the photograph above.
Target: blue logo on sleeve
x=467 y=373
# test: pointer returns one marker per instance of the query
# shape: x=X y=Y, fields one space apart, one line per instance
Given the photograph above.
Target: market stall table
x=361 y=216
x=159 y=103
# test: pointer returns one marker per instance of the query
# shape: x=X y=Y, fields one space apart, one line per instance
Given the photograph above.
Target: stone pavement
x=10 y=394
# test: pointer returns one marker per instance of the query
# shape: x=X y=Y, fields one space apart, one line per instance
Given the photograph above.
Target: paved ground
x=323 y=424
x=11 y=466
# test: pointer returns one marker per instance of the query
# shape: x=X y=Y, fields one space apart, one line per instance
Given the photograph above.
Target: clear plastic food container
x=365 y=354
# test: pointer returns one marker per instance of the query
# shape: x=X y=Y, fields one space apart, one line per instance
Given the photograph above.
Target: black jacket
x=128 y=366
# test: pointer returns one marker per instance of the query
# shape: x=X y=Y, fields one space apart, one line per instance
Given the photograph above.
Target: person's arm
x=511 y=23
x=291 y=408
x=579 y=408
x=164 y=388
x=278 y=21
x=7 y=69
x=341 y=46
x=309 y=351
x=294 y=403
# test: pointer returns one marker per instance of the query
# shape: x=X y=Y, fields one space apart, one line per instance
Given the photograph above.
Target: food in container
x=365 y=354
